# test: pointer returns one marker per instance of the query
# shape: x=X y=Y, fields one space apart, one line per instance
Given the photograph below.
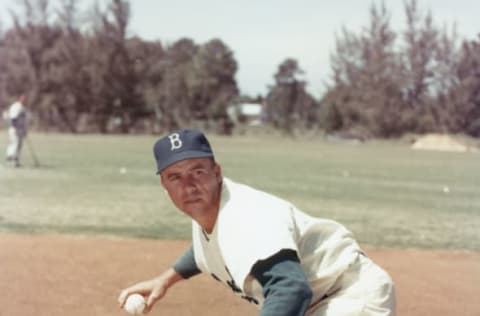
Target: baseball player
x=264 y=248
x=17 y=130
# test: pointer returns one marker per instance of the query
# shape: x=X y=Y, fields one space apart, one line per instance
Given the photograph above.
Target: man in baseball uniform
x=265 y=249
x=16 y=115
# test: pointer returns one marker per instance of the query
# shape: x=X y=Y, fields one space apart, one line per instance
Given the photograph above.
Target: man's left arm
x=186 y=265
x=285 y=285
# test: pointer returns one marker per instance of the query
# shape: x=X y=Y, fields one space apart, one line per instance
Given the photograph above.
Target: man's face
x=194 y=186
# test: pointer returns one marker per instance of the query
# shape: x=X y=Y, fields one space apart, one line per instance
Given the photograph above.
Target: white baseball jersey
x=15 y=110
x=253 y=225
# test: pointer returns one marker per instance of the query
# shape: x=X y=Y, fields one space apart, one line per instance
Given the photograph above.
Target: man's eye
x=199 y=172
x=173 y=178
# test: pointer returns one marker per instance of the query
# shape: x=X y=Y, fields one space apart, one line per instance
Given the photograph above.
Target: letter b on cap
x=175 y=141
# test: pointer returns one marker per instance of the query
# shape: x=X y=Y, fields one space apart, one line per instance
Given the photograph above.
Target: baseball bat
x=36 y=162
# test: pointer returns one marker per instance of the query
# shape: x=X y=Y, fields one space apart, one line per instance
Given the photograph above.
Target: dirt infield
x=74 y=275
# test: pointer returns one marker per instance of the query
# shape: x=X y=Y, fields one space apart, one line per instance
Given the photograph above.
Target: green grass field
x=386 y=193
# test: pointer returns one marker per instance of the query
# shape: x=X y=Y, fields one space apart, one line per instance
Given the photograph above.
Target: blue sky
x=263 y=33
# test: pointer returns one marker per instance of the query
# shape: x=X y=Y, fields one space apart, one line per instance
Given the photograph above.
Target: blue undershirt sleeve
x=285 y=285
x=186 y=265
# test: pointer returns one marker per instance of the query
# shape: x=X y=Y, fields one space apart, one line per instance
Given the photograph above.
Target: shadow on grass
x=29 y=166
x=149 y=232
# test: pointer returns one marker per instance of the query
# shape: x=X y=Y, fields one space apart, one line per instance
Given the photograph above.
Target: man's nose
x=190 y=184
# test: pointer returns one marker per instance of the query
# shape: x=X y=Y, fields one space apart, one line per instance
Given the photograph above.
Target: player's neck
x=209 y=221
x=211 y=218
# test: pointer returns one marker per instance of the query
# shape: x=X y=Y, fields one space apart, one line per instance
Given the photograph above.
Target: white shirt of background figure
x=16 y=116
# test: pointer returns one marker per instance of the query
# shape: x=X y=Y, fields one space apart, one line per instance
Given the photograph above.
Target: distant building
x=246 y=113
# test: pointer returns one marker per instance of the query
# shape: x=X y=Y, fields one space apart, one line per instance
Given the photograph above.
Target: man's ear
x=218 y=172
x=161 y=181
x=163 y=186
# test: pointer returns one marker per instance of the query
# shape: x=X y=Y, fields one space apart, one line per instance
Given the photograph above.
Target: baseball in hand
x=135 y=304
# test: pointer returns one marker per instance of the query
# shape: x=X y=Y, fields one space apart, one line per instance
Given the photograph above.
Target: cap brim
x=189 y=154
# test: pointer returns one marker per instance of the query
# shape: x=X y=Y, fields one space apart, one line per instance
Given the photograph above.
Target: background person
x=262 y=247
x=16 y=115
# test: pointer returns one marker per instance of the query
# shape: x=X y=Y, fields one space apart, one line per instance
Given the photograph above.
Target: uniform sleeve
x=256 y=234
x=186 y=265
x=285 y=285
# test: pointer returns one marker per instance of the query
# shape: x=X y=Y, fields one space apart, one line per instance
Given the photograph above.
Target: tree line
x=91 y=76
x=385 y=84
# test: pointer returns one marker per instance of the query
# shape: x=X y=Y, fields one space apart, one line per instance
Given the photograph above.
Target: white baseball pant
x=364 y=289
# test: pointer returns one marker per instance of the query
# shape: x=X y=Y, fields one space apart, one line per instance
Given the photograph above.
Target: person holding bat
x=265 y=249
x=16 y=115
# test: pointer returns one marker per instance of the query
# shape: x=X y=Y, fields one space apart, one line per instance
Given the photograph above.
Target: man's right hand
x=153 y=290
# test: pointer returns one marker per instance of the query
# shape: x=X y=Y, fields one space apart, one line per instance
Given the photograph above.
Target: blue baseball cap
x=180 y=145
